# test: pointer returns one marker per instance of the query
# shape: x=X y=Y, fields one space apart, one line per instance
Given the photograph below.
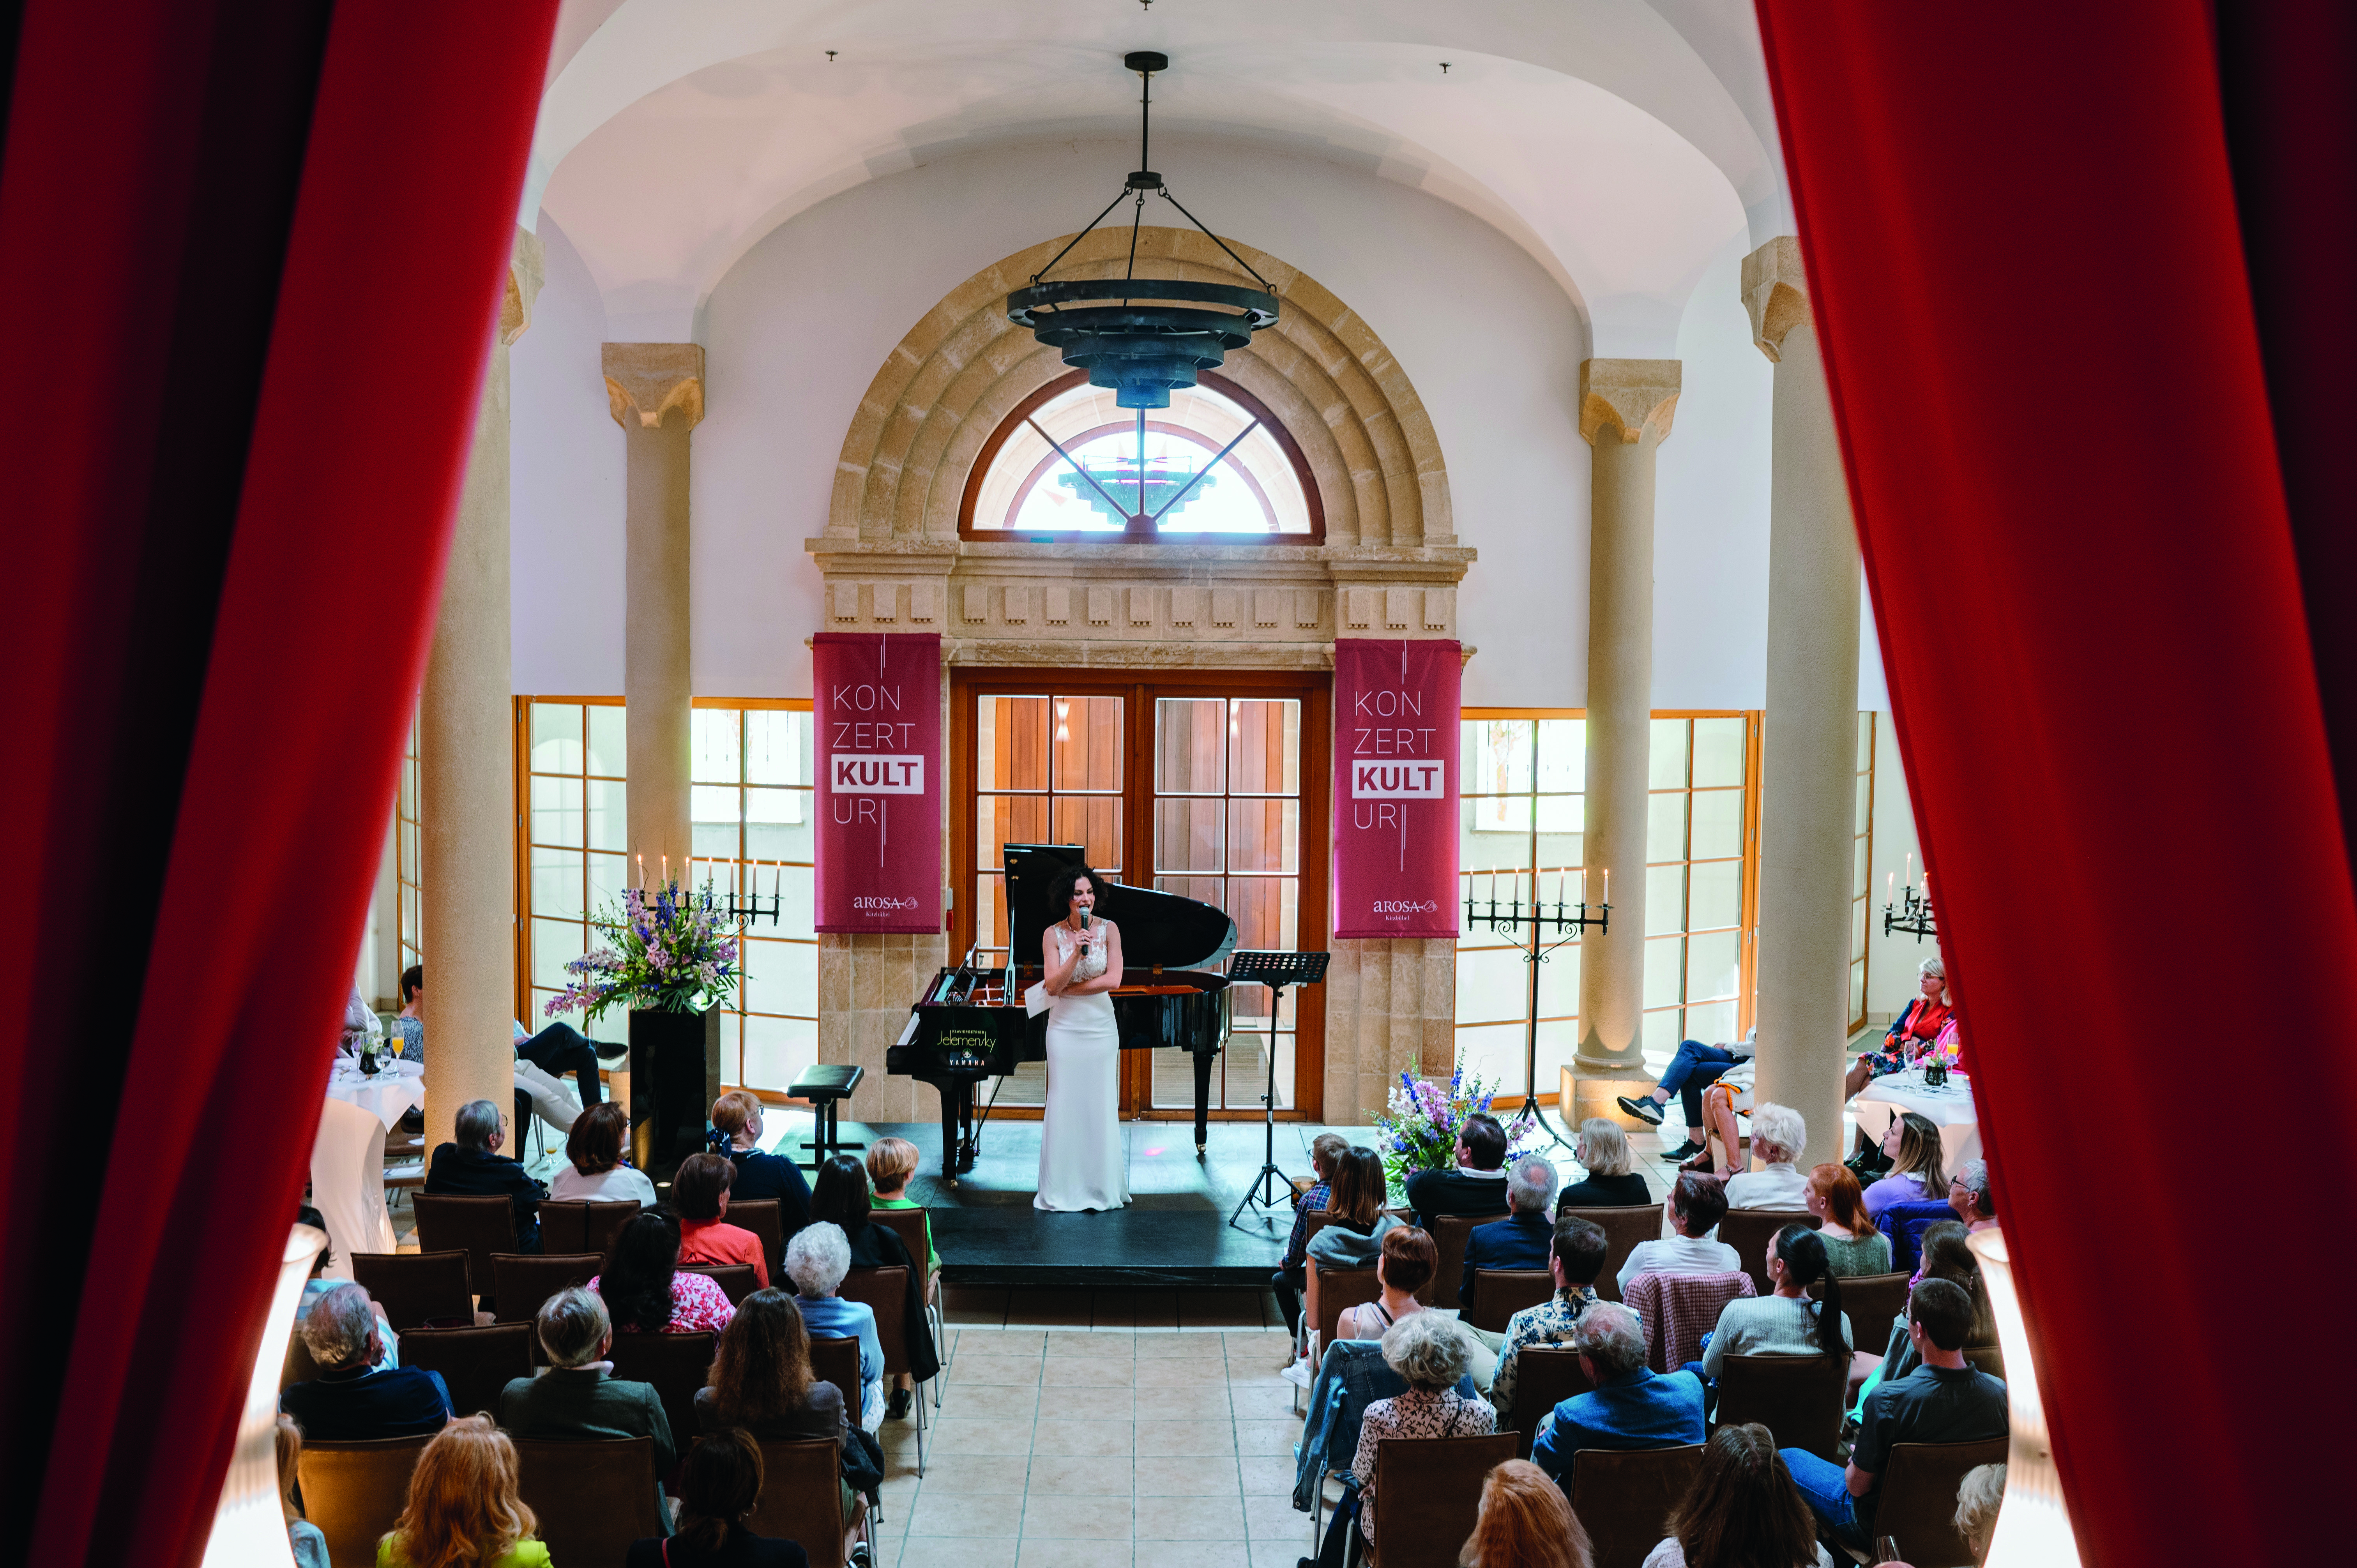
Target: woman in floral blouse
x=1426 y=1350
x=645 y=1293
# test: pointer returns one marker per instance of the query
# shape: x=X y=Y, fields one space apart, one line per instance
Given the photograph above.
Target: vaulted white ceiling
x=1621 y=144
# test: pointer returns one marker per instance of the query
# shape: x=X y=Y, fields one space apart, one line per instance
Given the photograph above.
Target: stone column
x=1807 y=804
x=466 y=782
x=656 y=393
x=1625 y=410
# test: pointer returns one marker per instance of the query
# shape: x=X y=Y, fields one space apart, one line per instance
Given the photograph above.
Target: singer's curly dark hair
x=1059 y=892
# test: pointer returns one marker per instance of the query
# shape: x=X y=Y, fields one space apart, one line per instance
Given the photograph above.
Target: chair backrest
x=1449 y=1234
x=835 y=1358
x=1917 y=1504
x=1872 y=1303
x=886 y=1294
x=1544 y=1377
x=583 y=1224
x=1748 y=1231
x=1988 y=1358
x=1798 y=1397
x=914 y=1228
x=1622 y=1497
x=478 y=1226
x=299 y=1366
x=1498 y=1293
x=522 y=1283
x=1318 y=1220
x=1678 y=1310
x=1428 y=1493
x=676 y=1364
x=476 y=1363
x=417 y=1287
x=735 y=1280
x=1624 y=1229
x=801 y=1497
x=594 y=1495
x=1905 y=1223
x=1338 y=1289
x=761 y=1216
x=353 y=1491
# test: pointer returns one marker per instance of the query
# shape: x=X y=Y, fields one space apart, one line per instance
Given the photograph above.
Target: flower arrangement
x=1417 y=1131
x=669 y=954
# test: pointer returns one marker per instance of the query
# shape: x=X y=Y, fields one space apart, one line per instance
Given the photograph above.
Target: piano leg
x=966 y=1144
x=1202 y=1101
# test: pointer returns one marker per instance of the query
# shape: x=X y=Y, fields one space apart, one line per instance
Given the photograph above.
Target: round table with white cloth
x=348 y=1157
x=1948 y=1107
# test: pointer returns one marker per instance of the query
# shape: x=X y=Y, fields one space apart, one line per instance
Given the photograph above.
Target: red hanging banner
x=1395 y=708
x=878 y=698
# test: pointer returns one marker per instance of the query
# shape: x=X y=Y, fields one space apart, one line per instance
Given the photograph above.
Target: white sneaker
x=1298 y=1374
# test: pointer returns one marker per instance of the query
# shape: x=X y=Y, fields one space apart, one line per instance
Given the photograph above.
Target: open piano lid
x=1158 y=929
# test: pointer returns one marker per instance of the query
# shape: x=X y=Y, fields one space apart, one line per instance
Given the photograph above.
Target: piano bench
x=826 y=1086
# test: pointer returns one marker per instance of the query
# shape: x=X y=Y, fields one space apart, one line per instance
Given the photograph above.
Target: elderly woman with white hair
x=1912 y=1033
x=1780 y=1136
x=816 y=1259
x=1969 y=1196
x=1613 y=1182
x=1431 y=1356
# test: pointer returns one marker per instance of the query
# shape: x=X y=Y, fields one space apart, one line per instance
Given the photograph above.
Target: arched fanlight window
x=1217 y=467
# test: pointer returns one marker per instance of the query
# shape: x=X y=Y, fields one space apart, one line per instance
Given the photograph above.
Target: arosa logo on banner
x=881 y=904
x=876 y=774
x=1400 y=780
x=1400 y=909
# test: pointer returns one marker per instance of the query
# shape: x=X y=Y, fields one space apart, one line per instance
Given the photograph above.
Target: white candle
x=1608 y=886
x=1890 y=882
x=1911 y=871
x=642 y=874
x=665 y=864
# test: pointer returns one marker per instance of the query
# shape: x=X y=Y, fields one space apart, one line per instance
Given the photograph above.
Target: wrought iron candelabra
x=1530 y=929
x=1911 y=916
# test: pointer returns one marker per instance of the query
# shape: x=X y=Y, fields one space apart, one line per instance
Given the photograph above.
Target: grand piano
x=971 y=1023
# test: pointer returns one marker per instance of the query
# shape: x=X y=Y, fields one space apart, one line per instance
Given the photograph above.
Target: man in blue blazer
x=1524 y=1237
x=1631 y=1406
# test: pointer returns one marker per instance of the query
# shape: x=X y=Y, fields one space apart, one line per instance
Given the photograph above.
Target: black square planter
x=674 y=1079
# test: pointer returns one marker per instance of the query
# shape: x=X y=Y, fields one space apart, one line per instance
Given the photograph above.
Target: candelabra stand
x=1912 y=916
x=747 y=907
x=1534 y=927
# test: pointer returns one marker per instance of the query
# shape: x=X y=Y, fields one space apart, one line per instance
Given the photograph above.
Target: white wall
x=1890 y=961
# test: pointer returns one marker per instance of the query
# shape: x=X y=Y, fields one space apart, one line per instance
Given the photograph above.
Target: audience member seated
x=596 y=1168
x=302 y=1538
x=717 y=1488
x=474 y=1167
x=1478 y=1185
x=556 y=1050
x=644 y=1291
x=1575 y=1256
x=1779 y=1138
x=360 y=1030
x=1978 y=1502
x=1943 y=1400
x=1912 y=1142
x=1356 y=1223
x=1325 y=1152
x=1696 y=1203
x=463 y=1510
x=1525 y=1522
x=1853 y=1246
x=351 y=1401
x=1784 y=1322
x=1426 y=1350
x=1742 y=1511
x=1521 y=1240
x=816 y=1259
x=761 y=1381
x=737 y=1115
x=1613 y=1182
x=319 y=1284
x=840 y=1197
x=1969 y=1196
x=411 y=1020
x=699 y=1196
x=1631 y=1406
x=578 y=1396
x=1947 y=1255
x=1402 y=1267
x=1912 y=1033
x=891 y=1162
x=1695 y=1067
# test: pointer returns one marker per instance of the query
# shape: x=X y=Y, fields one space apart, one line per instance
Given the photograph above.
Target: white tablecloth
x=348 y=1157
x=1950 y=1108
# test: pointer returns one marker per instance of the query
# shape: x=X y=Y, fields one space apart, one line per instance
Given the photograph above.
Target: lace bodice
x=1067 y=939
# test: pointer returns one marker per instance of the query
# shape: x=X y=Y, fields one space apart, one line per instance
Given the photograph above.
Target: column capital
x=527 y=270
x=1776 y=293
x=646 y=381
x=1629 y=396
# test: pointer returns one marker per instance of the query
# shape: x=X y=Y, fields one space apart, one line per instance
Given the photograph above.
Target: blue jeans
x=1695 y=1067
x=1825 y=1484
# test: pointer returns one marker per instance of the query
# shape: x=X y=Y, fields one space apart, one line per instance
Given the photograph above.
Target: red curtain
x=250 y=259
x=2021 y=239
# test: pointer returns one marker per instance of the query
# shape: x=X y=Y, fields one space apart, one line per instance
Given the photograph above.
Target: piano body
x=971 y=1023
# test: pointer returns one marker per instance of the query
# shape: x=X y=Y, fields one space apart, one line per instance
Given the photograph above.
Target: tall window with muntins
x=1521 y=816
x=1700 y=829
x=406 y=922
x=1215 y=464
x=1861 y=882
x=577 y=830
x=752 y=802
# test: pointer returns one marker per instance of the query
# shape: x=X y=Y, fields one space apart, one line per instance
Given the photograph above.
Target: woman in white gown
x=1083 y=1162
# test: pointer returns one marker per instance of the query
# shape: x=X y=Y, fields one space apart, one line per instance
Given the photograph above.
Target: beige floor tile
x=996 y=1402
x=1076 y=1519
x=973 y=1367
x=1187 y=1476
x=1001 y=1341
x=1168 y=1342
x=1120 y=1344
x=1264 y=1343
x=1275 y=1518
x=1080 y=1476
x=1197 y=1403
x=1069 y=1369
x=1192 y=1554
x=1266 y=1436
x=1178 y=1371
x=973 y=1551
x=1272 y=1399
x=1266 y=1474
x=1085 y=1404
x=1189 y=1518
x=1157 y=1438
x=972 y=1474
x=978 y=1434
x=1081 y=1439
x=1036 y=1552
x=954 y=1513
x=1264 y=1553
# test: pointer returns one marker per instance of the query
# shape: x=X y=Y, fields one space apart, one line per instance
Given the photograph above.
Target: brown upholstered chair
x=1798 y=1397
x=299 y=1366
x=1989 y=1358
x=1498 y=1293
x=476 y=1363
x=1621 y=1497
x=353 y=1491
x=884 y=1292
x=584 y=1225
x=1428 y=1495
x=1872 y=1303
x=1544 y=1377
x=1748 y=1231
x=1449 y=1234
x=594 y=1495
x=477 y=1226
x=1339 y=1289
x=1916 y=1504
x=676 y=1364
x=1624 y=1229
x=835 y=1358
x=761 y=1216
x=417 y=1288
x=735 y=1280
x=801 y=1497
x=915 y=1228
x=522 y=1283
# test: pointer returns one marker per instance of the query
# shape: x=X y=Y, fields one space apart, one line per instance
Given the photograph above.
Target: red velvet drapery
x=2021 y=231
x=250 y=259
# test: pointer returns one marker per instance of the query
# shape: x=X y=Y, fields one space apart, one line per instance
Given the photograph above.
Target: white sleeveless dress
x=1083 y=1159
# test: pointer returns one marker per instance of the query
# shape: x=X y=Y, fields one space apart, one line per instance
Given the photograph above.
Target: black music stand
x=1277 y=970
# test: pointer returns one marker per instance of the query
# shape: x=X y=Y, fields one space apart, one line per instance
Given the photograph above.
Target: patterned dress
x=1416 y=1414
x=1548 y=1323
x=697 y=1303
